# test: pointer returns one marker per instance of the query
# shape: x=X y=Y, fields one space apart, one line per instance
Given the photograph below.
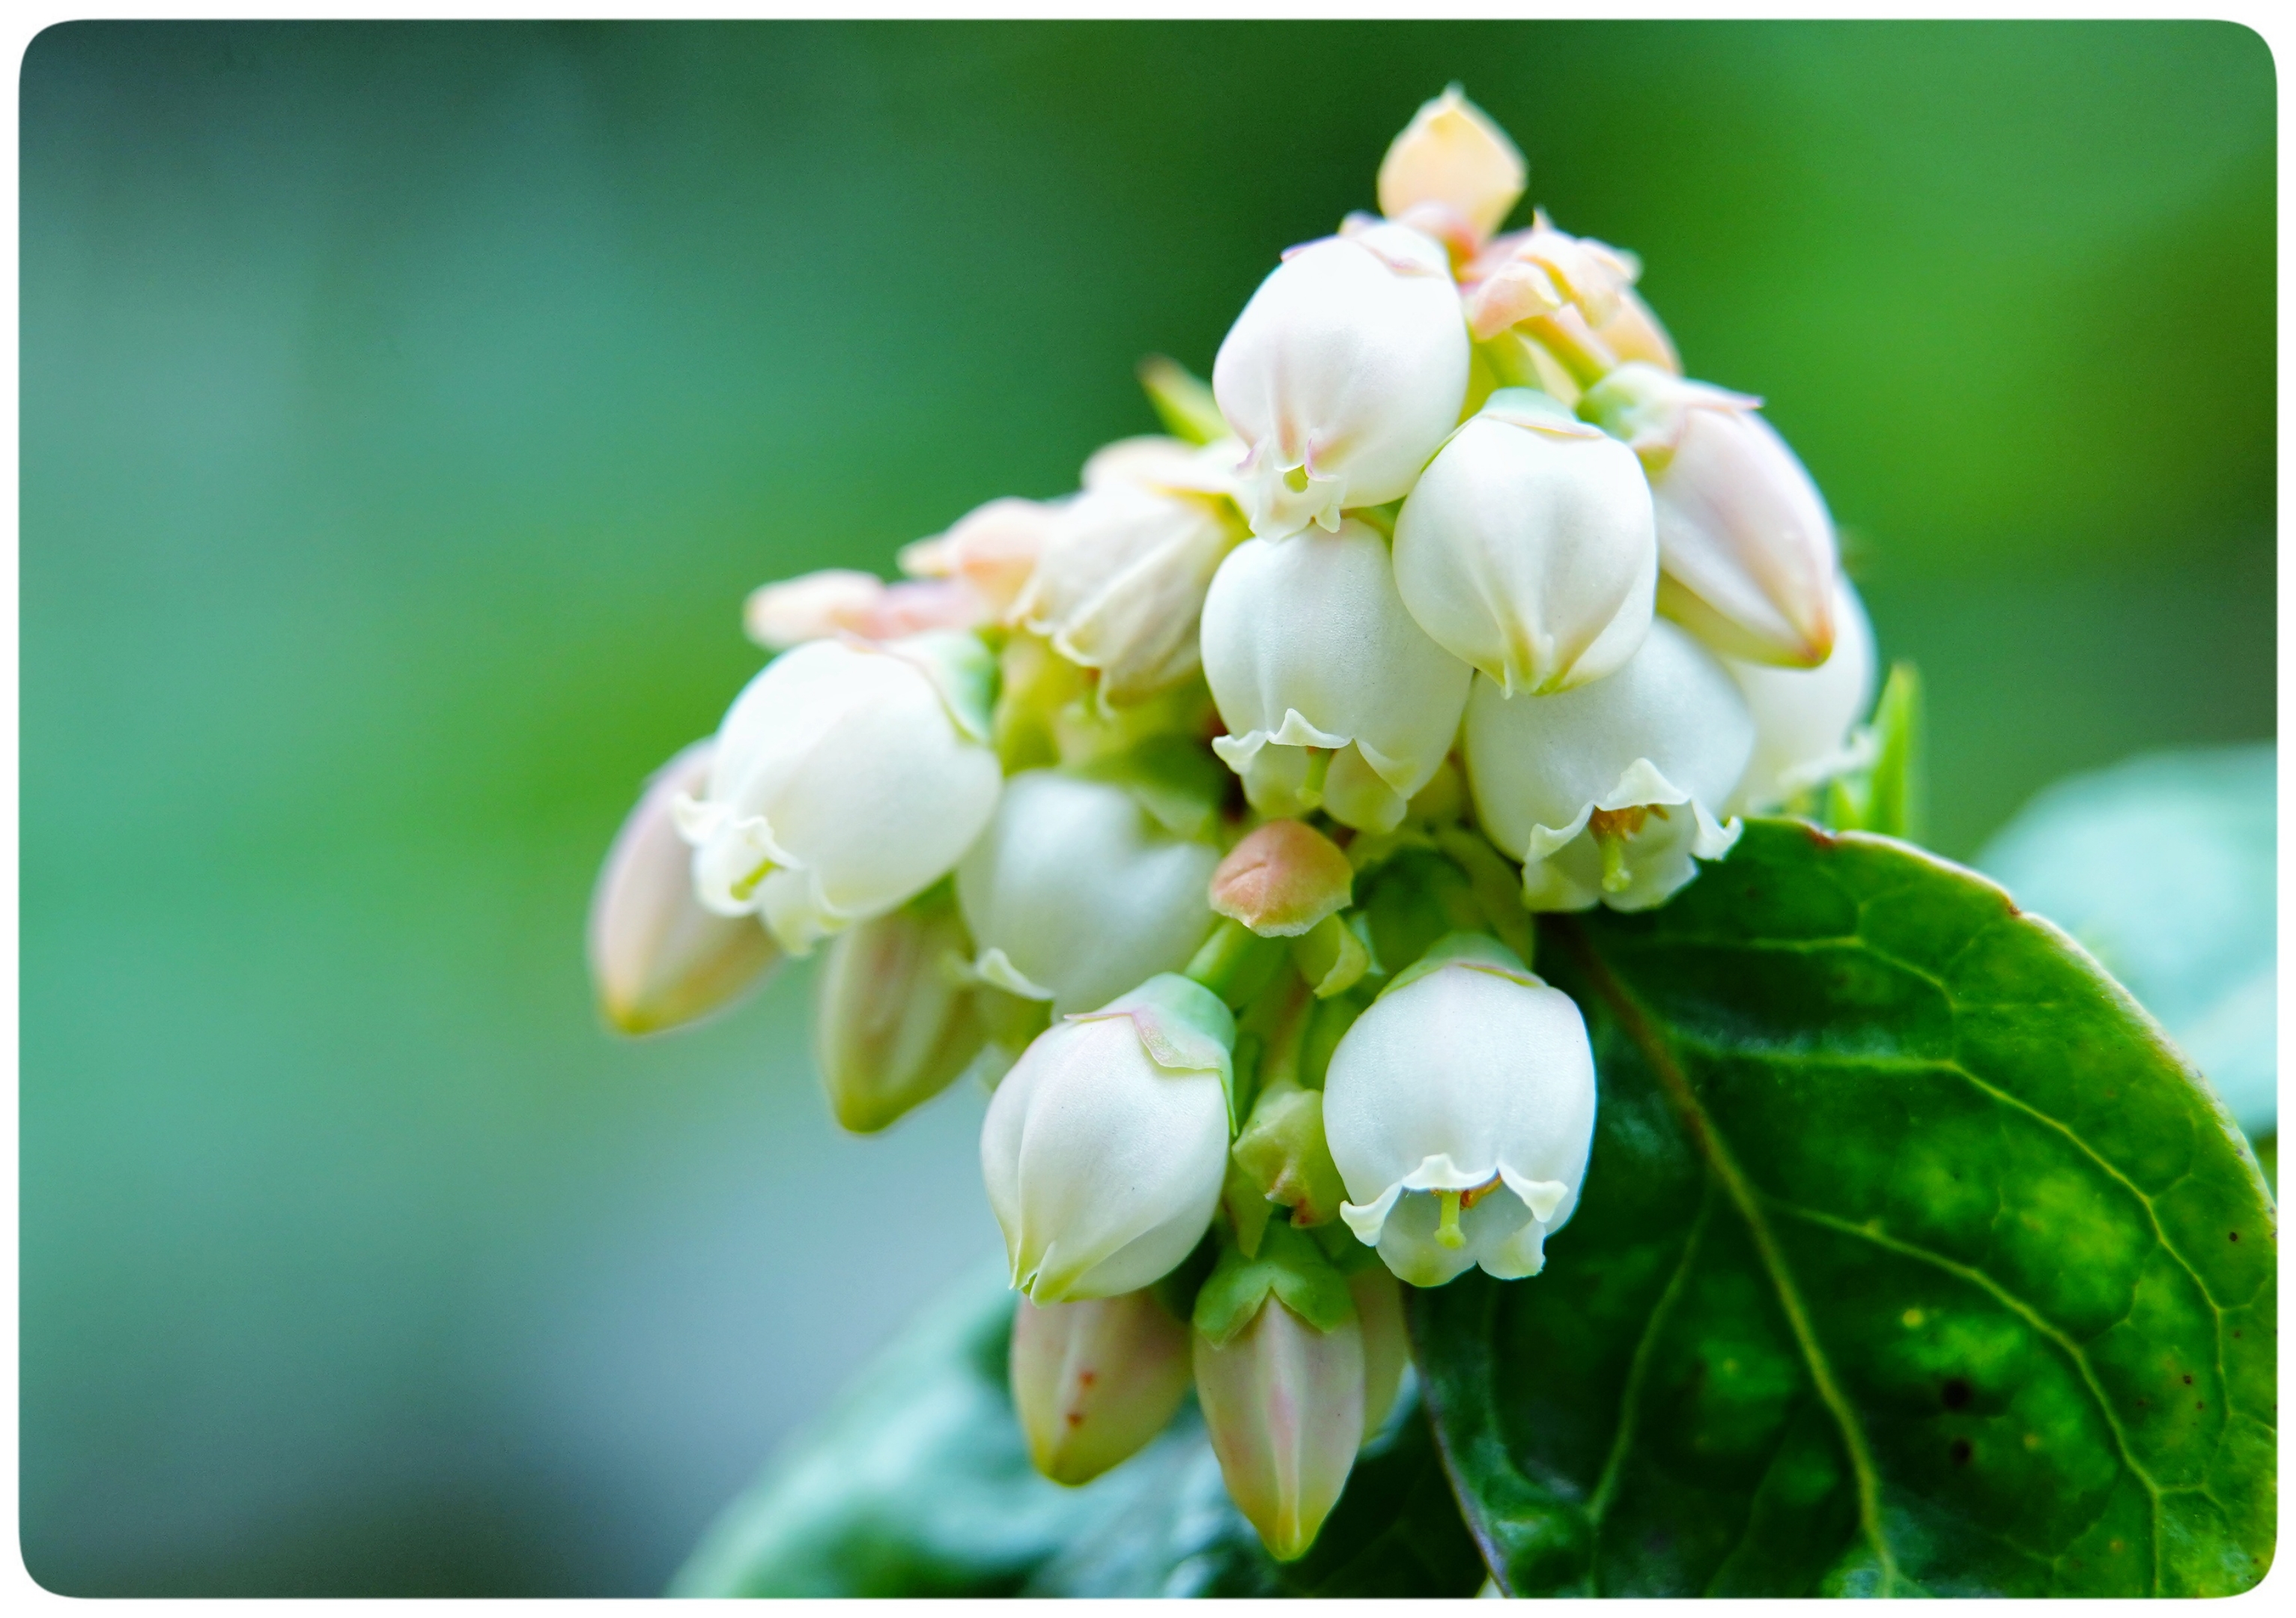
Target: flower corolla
x=1341 y=375
x=1331 y=693
x=1606 y=793
x=1460 y=1109
x=1105 y=1147
x=848 y=776
x=1528 y=548
x=1745 y=543
x=1074 y=894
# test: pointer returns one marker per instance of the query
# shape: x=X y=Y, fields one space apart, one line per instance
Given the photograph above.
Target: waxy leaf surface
x=1912 y=1258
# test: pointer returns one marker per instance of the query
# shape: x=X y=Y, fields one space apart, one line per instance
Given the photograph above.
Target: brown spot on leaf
x=2188 y=1379
x=1961 y=1451
x=1957 y=1393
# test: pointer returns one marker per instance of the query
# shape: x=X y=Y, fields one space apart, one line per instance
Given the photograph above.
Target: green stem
x=1235 y=963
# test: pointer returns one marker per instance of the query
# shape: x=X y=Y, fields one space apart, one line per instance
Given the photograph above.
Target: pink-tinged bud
x=1094 y=1380
x=992 y=549
x=657 y=958
x=1283 y=879
x=1454 y=169
x=1536 y=273
x=837 y=601
x=1745 y=544
x=1284 y=1404
x=893 y=1022
x=1386 y=1345
x=1164 y=465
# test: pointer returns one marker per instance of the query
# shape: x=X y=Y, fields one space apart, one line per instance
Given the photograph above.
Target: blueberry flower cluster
x=1201 y=812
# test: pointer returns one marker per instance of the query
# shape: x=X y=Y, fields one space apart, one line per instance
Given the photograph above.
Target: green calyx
x=1477 y=950
x=1292 y=1266
x=1285 y=1156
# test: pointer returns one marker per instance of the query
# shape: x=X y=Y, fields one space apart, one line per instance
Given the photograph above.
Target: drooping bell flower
x=1528 y=548
x=1460 y=1109
x=1331 y=693
x=1745 y=542
x=1105 y=1147
x=848 y=776
x=1609 y=792
x=1342 y=374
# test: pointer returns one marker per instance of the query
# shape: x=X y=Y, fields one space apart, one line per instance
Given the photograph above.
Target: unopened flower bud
x=1451 y=162
x=1106 y=1146
x=1803 y=718
x=1528 y=548
x=1074 y=894
x=1744 y=536
x=837 y=600
x=1460 y=1109
x=1331 y=693
x=1283 y=1151
x=849 y=778
x=1284 y=1403
x=1094 y=1380
x=1341 y=375
x=1532 y=273
x=893 y=1020
x=1120 y=586
x=1606 y=793
x=1283 y=879
x=993 y=549
x=657 y=958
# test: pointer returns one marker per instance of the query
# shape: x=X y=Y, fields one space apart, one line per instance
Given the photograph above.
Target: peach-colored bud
x=1530 y=273
x=1283 y=879
x=993 y=548
x=1094 y=1380
x=657 y=958
x=837 y=601
x=1454 y=168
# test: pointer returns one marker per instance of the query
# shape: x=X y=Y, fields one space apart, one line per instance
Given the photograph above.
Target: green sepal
x=1177 y=782
x=1333 y=954
x=1292 y=1265
x=1247 y=1207
x=1345 y=1251
x=1183 y=1026
x=1410 y=901
x=963 y=670
x=1282 y=1152
x=1478 y=950
x=1183 y=400
x=1497 y=882
x=1235 y=963
x=1886 y=795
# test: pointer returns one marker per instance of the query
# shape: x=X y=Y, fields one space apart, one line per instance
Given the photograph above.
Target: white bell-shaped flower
x=1341 y=375
x=1121 y=584
x=1606 y=793
x=1460 y=1109
x=849 y=775
x=1331 y=693
x=1804 y=719
x=1453 y=171
x=1528 y=548
x=657 y=958
x=1074 y=894
x=1744 y=538
x=1105 y=1147
x=1094 y=1380
x=1284 y=1405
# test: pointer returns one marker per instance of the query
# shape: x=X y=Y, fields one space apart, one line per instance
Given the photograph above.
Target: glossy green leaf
x=918 y=1483
x=2164 y=868
x=1911 y=1257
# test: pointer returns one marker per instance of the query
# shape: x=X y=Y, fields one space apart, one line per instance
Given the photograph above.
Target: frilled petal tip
x=1237 y=752
x=1559 y=871
x=1281 y=880
x=1280 y=500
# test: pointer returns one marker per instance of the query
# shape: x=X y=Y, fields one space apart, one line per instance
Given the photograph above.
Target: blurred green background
x=406 y=410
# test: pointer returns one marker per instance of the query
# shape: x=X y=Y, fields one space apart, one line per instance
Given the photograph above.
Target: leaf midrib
x=1734 y=1184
